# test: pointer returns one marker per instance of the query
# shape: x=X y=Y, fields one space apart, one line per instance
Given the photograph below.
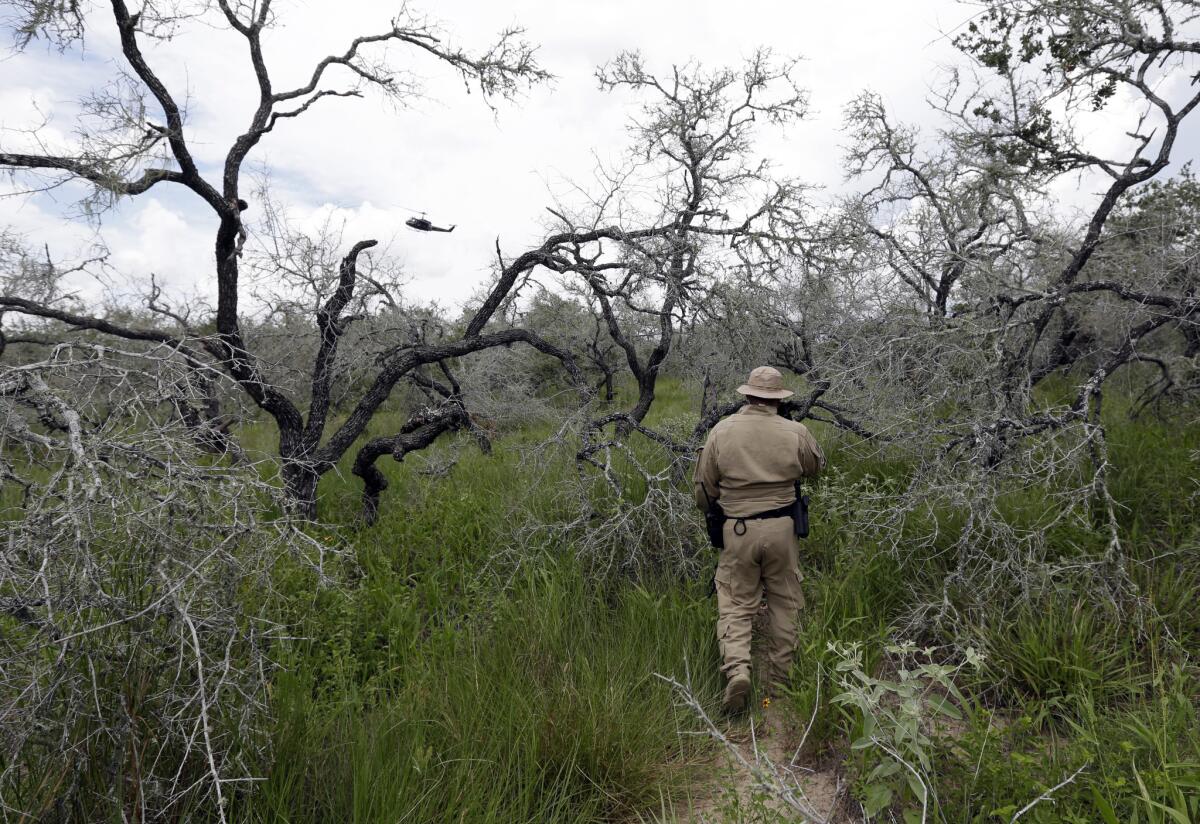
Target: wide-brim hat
x=765 y=382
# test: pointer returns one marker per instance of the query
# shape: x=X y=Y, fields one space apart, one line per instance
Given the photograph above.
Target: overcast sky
x=448 y=154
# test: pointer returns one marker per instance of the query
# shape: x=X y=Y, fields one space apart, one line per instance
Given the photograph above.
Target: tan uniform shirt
x=751 y=460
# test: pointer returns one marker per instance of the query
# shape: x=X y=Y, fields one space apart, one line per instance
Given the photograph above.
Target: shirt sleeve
x=707 y=480
x=812 y=459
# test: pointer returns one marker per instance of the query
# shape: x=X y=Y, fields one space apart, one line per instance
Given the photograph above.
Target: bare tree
x=1151 y=247
x=710 y=203
x=132 y=154
x=1087 y=51
x=573 y=320
x=941 y=220
x=977 y=302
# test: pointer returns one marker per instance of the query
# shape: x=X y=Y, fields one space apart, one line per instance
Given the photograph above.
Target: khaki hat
x=765 y=382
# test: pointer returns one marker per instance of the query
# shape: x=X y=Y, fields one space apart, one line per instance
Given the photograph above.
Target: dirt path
x=765 y=749
x=735 y=792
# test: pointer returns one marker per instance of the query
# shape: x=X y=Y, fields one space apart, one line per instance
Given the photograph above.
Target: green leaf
x=914 y=784
x=1181 y=817
x=885 y=769
x=877 y=797
x=1105 y=809
x=942 y=704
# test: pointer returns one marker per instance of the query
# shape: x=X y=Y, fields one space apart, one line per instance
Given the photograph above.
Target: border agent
x=749 y=467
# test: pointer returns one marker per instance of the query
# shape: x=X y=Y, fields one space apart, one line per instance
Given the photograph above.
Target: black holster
x=714 y=522
x=800 y=513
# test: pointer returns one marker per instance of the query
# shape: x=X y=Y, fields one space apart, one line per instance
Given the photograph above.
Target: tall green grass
x=546 y=709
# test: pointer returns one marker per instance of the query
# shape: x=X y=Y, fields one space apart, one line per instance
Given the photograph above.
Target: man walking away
x=750 y=464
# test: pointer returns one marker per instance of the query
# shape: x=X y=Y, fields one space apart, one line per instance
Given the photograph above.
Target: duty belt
x=739 y=523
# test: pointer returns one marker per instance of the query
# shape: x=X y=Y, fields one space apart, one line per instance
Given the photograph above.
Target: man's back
x=751 y=460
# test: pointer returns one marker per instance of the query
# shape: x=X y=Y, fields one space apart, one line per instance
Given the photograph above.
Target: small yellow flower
x=766 y=703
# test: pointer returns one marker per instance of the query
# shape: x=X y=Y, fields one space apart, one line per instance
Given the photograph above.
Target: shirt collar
x=757 y=409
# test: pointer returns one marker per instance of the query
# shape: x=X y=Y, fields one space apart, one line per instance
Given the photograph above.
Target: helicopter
x=423 y=224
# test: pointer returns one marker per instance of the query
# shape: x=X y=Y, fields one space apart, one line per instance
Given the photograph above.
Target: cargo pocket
x=721 y=581
x=798 y=589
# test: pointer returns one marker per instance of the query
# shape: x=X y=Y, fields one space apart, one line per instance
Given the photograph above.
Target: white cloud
x=175 y=246
x=448 y=154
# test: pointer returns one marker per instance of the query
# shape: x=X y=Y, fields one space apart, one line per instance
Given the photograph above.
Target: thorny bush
x=135 y=598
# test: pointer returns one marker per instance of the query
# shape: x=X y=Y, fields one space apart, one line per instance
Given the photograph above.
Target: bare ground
x=767 y=744
x=763 y=748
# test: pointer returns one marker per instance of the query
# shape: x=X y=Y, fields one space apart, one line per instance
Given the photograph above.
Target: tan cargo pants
x=761 y=558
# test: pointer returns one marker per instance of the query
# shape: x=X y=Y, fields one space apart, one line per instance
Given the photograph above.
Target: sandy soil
x=766 y=741
x=735 y=792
